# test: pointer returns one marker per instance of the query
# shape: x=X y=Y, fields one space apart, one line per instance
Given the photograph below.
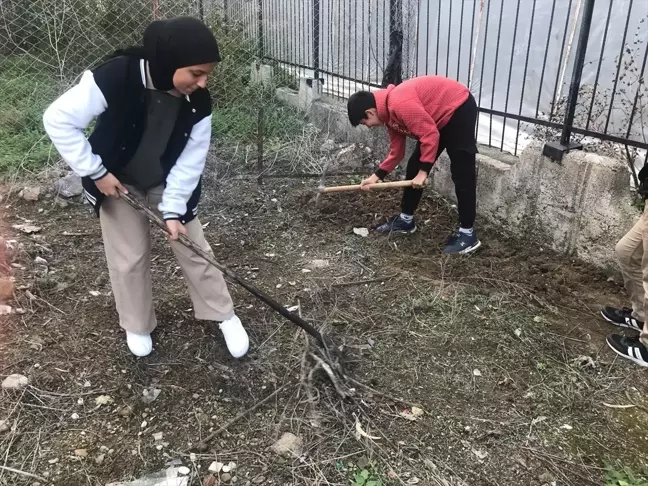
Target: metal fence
x=517 y=56
x=520 y=58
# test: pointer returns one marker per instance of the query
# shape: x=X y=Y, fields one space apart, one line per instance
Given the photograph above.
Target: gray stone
x=166 y=477
x=15 y=382
x=288 y=445
x=30 y=193
x=69 y=186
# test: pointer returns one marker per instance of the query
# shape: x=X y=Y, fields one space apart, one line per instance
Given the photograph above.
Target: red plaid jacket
x=417 y=108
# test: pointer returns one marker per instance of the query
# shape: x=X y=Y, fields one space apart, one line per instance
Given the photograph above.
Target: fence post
x=316 y=38
x=260 y=22
x=201 y=10
x=557 y=150
x=394 y=70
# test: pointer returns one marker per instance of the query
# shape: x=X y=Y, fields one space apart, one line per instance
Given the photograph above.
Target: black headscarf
x=172 y=44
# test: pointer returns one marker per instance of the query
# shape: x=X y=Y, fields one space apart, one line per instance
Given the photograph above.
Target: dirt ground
x=503 y=352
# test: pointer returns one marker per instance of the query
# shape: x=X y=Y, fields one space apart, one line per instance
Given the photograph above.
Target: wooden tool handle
x=374 y=187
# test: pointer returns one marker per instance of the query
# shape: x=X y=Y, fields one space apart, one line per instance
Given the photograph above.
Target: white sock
x=408 y=218
x=467 y=231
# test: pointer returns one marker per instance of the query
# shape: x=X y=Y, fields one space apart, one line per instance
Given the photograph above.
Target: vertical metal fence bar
x=472 y=38
x=508 y=85
x=579 y=62
x=497 y=48
x=369 y=30
x=544 y=63
x=461 y=18
x=260 y=28
x=526 y=66
x=384 y=32
x=618 y=70
x=364 y=45
x=427 y=37
x=316 y=38
x=436 y=60
x=481 y=79
x=560 y=61
x=336 y=59
x=448 y=39
x=201 y=10
x=293 y=29
x=418 y=37
x=600 y=64
x=554 y=150
x=640 y=81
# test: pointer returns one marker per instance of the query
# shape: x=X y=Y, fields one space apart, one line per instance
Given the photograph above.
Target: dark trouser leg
x=464 y=176
x=411 y=196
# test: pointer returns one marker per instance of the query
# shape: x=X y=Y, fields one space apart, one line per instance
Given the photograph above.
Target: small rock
x=158 y=436
x=103 y=400
x=328 y=146
x=184 y=470
x=30 y=193
x=476 y=372
x=259 y=480
x=69 y=186
x=61 y=203
x=210 y=480
x=288 y=445
x=216 y=467
x=149 y=396
x=4 y=426
x=27 y=228
x=6 y=288
x=100 y=459
x=364 y=232
x=15 y=382
x=226 y=477
x=363 y=462
x=75 y=416
x=315 y=264
x=81 y=452
x=610 y=279
x=430 y=465
x=545 y=477
x=40 y=261
x=125 y=411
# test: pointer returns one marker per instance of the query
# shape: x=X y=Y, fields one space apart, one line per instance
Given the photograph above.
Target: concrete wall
x=581 y=206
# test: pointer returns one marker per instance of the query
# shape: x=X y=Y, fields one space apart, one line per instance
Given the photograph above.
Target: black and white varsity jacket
x=114 y=94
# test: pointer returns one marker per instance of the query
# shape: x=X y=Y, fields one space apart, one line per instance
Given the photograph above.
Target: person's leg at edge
x=633 y=259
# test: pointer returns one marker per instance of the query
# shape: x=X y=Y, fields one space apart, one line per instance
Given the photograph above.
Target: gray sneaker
x=462 y=243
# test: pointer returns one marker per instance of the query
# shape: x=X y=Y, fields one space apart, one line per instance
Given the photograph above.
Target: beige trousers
x=127 y=242
x=632 y=252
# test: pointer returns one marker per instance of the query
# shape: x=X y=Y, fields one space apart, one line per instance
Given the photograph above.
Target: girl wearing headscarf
x=150 y=140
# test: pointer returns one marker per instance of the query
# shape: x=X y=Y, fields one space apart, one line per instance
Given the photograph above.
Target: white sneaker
x=235 y=336
x=139 y=344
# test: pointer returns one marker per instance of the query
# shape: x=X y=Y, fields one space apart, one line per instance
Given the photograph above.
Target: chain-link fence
x=45 y=45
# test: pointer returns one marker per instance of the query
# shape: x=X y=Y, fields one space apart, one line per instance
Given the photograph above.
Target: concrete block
x=261 y=74
x=310 y=90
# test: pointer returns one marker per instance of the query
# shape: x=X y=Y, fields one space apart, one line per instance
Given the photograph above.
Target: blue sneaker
x=397 y=225
x=462 y=243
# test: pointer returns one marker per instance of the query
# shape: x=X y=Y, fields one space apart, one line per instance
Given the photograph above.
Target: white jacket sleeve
x=185 y=174
x=67 y=118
